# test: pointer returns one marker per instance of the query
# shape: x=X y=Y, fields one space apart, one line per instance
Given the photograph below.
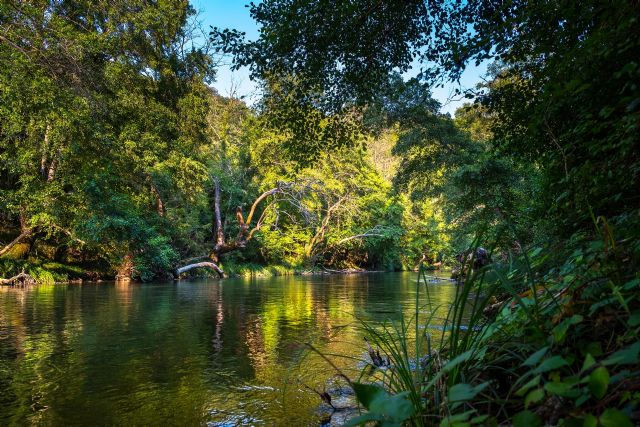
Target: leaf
x=479 y=419
x=534 y=396
x=626 y=356
x=382 y=405
x=464 y=392
x=550 y=364
x=589 y=421
x=598 y=382
x=367 y=393
x=579 y=401
x=560 y=331
x=532 y=383
x=457 y=419
x=535 y=357
x=396 y=408
x=589 y=361
x=526 y=419
x=562 y=389
x=634 y=320
x=631 y=284
x=614 y=418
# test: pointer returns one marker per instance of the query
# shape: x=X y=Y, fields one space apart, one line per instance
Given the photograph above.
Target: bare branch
x=206 y=264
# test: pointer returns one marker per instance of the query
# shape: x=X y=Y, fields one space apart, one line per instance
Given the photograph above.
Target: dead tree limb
x=22 y=279
x=205 y=264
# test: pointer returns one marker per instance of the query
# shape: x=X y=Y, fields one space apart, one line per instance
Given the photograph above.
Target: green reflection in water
x=187 y=353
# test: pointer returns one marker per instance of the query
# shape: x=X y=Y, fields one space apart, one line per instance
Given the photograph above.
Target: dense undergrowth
x=545 y=337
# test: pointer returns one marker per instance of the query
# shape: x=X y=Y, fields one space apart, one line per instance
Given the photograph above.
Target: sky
x=234 y=14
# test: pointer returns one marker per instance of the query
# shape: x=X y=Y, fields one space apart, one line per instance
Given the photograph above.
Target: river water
x=218 y=353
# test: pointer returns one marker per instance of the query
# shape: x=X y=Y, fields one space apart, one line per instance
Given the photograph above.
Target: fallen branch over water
x=22 y=279
x=206 y=264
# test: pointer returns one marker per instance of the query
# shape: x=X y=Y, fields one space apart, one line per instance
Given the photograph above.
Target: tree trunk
x=125 y=270
x=159 y=203
x=216 y=211
x=53 y=166
x=223 y=246
x=45 y=148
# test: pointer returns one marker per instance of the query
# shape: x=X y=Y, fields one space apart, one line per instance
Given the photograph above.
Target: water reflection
x=209 y=352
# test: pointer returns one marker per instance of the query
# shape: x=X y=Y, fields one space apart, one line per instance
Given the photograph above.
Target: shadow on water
x=222 y=353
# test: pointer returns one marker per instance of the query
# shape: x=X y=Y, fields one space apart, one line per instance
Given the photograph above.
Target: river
x=217 y=353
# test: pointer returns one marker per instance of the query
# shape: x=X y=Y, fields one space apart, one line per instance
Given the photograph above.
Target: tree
x=560 y=65
x=102 y=113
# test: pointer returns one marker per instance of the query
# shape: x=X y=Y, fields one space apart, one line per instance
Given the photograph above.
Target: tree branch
x=206 y=264
x=25 y=233
x=22 y=277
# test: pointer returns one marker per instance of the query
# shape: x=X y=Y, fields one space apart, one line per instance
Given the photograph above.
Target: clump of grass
x=257 y=270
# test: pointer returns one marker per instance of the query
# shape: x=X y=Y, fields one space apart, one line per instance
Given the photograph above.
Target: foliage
x=544 y=166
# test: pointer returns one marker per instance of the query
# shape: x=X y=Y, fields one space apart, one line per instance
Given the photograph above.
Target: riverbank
x=55 y=273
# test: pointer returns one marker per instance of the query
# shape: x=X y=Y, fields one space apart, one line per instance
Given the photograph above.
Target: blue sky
x=234 y=14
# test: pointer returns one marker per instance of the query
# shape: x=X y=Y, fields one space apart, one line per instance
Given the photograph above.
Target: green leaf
x=634 y=320
x=589 y=421
x=599 y=381
x=535 y=357
x=550 y=364
x=532 y=383
x=614 y=418
x=626 y=356
x=464 y=392
x=367 y=393
x=396 y=408
x=594 y=348
x=382 y=405
x=562 y=389
x=589 y=361
x=634 y=283
x=526 y=419
x=580 y=400
x=534 y=396
x=457 y=419
x=560 y=331
x=479 y=419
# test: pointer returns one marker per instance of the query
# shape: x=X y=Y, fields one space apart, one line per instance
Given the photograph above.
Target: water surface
x=217 y=353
